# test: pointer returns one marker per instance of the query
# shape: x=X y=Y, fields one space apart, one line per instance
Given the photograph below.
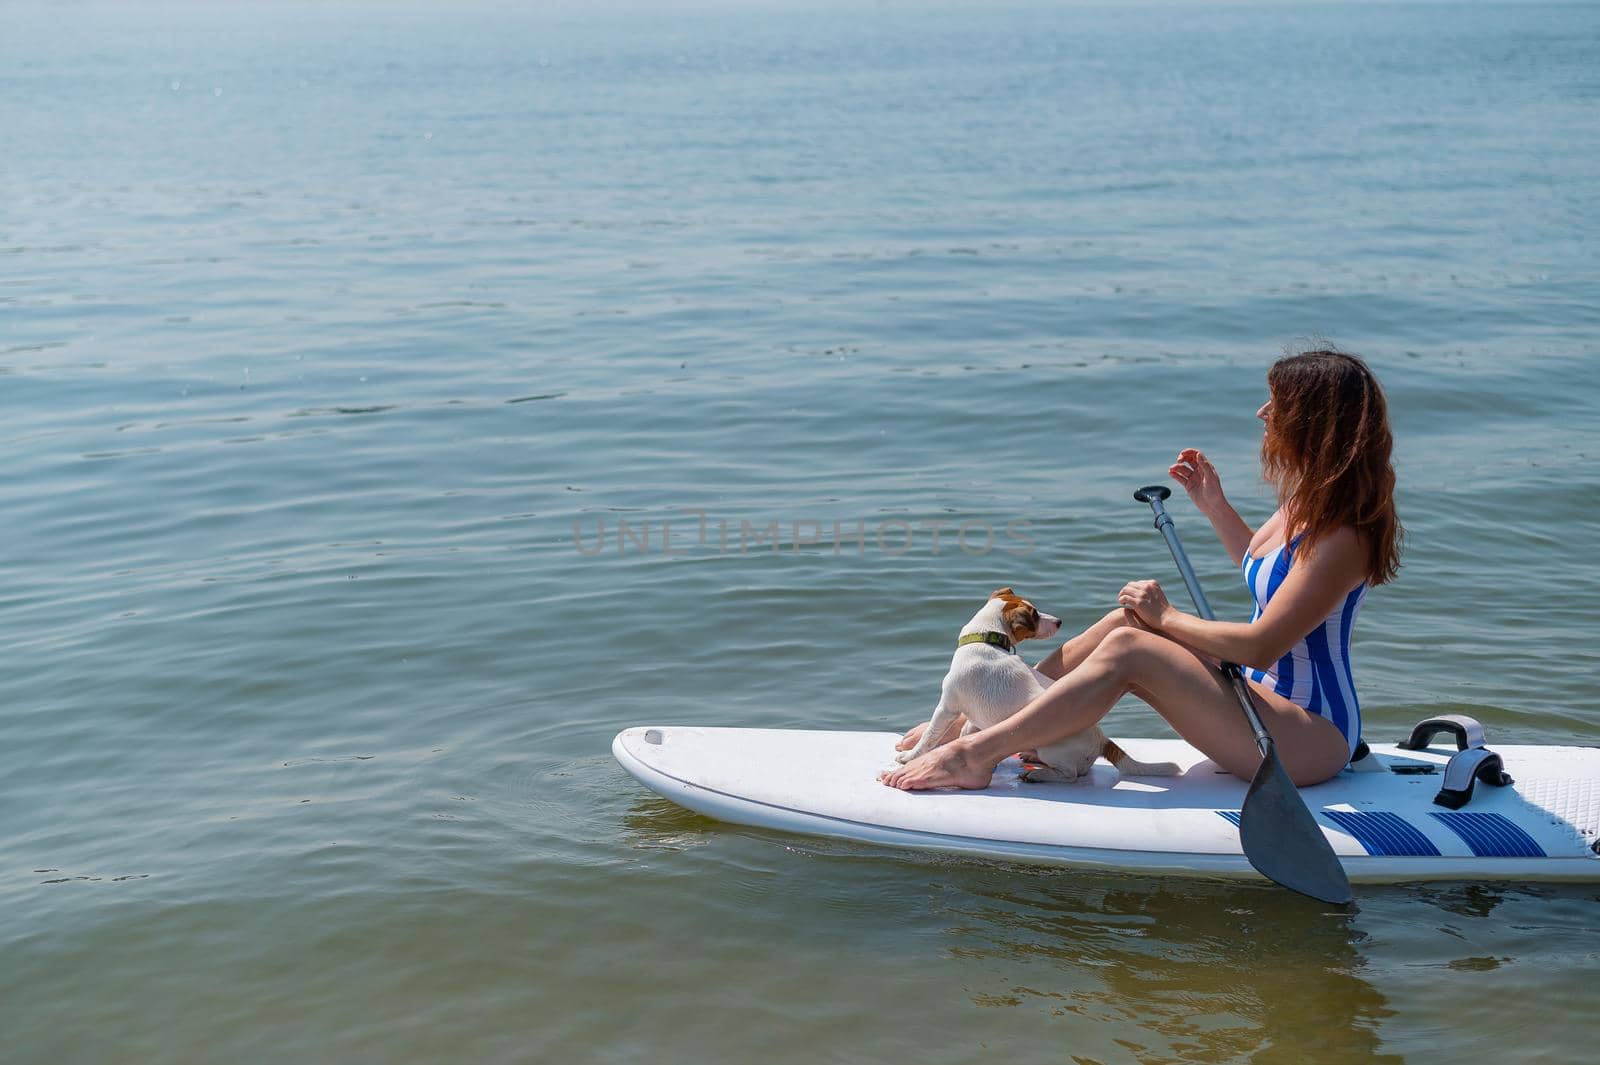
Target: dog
x=988 y=682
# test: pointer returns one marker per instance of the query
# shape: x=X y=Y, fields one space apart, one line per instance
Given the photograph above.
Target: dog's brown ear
x=1022 y=619
x=998 y=592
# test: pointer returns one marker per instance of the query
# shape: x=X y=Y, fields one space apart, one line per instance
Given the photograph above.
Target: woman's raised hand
x=1199 y=478
x=1147 y=600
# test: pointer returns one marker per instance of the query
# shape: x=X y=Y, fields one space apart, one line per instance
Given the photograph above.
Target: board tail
x=1130 y=766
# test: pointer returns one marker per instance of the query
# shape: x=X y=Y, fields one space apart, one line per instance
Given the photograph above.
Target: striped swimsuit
x=1315 y=674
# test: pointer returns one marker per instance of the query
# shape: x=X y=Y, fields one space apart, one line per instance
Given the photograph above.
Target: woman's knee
x=1124 y=648
x=1129 y=639
x=1119 y=618
x=1115 y=621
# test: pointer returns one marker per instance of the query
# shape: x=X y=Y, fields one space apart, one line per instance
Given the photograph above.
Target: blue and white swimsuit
x=1315 y=674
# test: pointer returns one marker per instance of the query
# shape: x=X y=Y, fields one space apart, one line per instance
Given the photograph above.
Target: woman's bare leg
x=1075 y=652
x=1186 y=689
x=1070 y=655
x=1055 y=665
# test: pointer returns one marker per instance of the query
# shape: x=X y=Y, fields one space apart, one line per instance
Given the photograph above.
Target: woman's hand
x=1147 y=600
x=1199 y=478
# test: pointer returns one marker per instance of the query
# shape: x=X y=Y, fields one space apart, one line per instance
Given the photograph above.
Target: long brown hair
x=1327 y=449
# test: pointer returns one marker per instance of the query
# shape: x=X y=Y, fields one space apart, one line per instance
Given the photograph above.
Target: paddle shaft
x=1230 y=669
x=1279 y=834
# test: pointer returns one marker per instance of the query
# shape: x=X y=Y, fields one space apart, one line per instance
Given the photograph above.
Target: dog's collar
x=993 y=639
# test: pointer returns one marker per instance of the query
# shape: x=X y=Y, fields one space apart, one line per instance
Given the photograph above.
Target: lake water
x=399 y=400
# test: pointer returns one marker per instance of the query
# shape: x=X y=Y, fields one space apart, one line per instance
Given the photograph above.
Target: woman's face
x=1265 y=412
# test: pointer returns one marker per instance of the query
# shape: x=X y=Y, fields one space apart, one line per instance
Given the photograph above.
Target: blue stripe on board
x=1491 y=835
x=1384 y=834
x=1231 y=815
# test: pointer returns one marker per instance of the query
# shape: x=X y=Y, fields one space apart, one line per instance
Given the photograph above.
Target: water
x=329 y=340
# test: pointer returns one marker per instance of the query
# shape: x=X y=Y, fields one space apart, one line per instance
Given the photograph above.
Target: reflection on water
x=1474 y=900
x=653 y=823
x=1178 y=969
x=1154 y=970
x=1209 y=971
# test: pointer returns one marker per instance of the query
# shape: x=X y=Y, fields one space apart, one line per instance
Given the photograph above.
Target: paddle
x=1279 y=834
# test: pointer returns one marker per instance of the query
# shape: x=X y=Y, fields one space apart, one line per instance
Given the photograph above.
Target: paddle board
x=1383 y=825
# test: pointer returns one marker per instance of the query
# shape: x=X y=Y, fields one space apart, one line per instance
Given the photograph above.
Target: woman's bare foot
x=949 y=766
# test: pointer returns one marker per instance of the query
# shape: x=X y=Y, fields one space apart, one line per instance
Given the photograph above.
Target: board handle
x=1467 y=732
x=1467 y=768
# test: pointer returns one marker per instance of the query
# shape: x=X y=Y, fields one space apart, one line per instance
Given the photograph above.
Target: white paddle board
x=1384 y=826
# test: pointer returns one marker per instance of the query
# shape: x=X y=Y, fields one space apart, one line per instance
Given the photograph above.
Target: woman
x=1334 y=535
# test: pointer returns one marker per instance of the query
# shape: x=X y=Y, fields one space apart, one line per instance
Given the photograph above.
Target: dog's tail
x=1130 y=766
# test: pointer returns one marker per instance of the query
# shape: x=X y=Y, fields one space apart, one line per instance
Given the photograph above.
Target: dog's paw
x=1046 y=774
x=905 y=756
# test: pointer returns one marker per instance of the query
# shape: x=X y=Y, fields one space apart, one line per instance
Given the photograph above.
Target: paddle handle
x=1154 y=494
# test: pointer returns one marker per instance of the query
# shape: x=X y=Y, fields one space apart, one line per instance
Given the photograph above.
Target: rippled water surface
x=399 y=400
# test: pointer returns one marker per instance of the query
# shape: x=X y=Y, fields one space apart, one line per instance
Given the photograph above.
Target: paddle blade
x=1283 y=841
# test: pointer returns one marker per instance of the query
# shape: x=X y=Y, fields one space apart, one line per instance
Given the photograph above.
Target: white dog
x=988 y=683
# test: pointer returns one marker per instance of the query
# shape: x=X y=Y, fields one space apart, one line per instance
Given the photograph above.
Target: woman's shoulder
x=1338 y=550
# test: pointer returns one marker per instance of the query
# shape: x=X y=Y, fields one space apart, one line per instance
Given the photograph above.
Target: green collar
x=993 y=639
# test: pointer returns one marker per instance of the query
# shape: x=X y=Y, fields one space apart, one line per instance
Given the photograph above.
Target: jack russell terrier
x=988 y=683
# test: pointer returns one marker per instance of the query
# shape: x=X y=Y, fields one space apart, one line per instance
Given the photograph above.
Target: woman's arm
x=1316 y=585
x=1199 y=478
x=1231 y=530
